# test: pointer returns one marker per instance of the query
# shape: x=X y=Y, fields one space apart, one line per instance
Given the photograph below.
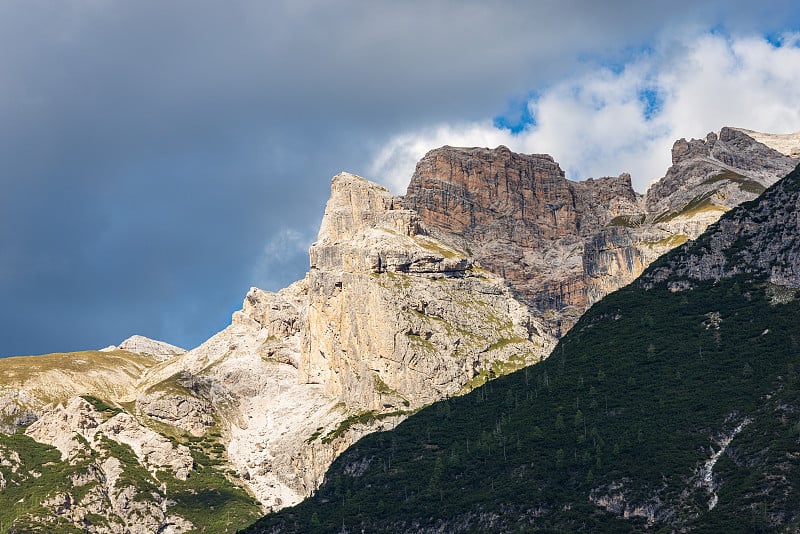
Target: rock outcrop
x=71 y=427
x=396 y=318
x=564 y=245
x=758 y=238
x=247 y=381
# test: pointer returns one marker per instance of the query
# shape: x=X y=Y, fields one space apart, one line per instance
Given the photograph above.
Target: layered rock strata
x=396 y=318
x=564 y=245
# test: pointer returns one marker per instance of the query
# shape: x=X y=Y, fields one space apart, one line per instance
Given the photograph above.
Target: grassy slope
x=57 y=377
x=213 y=500
x=208 y=498
x=19 y=369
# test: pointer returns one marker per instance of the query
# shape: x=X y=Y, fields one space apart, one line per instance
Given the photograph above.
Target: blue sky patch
x=775 y=39
x=517 y=116
x=652 y=102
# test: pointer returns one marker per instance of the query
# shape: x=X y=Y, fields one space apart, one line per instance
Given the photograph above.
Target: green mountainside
x=37 y=480
x=673 y=404
x=72 y=462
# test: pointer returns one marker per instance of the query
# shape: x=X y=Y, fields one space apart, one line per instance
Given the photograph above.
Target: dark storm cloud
x=154 y=153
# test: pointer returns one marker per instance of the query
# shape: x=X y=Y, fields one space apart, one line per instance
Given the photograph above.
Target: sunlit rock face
x=518 y=216
x=563 y=245
x=396 y=318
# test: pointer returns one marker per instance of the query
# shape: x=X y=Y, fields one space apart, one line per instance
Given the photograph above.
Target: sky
x=159 y=158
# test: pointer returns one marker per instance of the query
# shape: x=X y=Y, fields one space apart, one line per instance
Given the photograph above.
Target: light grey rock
x=144 y=345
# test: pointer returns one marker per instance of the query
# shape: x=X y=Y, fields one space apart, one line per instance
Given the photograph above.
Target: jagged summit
x=787 y=144
x=563 y=245
x=726 y=168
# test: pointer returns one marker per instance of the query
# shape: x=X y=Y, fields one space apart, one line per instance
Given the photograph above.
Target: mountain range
x=672 y=405
x=415 y=308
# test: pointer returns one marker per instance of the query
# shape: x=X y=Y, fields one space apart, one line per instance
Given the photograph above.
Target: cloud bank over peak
x=624 y=118
x=162 y=156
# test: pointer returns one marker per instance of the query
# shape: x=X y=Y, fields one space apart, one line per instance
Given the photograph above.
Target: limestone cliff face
x=396 y=318
x=518 y=216
x=387 y=320
x=564 y=245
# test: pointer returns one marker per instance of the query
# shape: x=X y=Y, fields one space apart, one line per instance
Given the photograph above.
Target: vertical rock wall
x=563 y=245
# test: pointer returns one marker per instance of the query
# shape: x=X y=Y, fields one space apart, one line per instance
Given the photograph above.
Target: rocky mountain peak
x=367 y=229
x=472 y=274
x=711 y=373
x=746 y=165
x=563 y=245
x=356 y=204
x=756 y=238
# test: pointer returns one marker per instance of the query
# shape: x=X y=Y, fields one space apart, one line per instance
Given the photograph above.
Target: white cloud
x=601 y=124
x=394 y=163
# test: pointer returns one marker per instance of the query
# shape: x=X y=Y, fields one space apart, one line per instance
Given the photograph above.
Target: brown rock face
x=564 y=245
x=519 y=198
x=518 y=216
